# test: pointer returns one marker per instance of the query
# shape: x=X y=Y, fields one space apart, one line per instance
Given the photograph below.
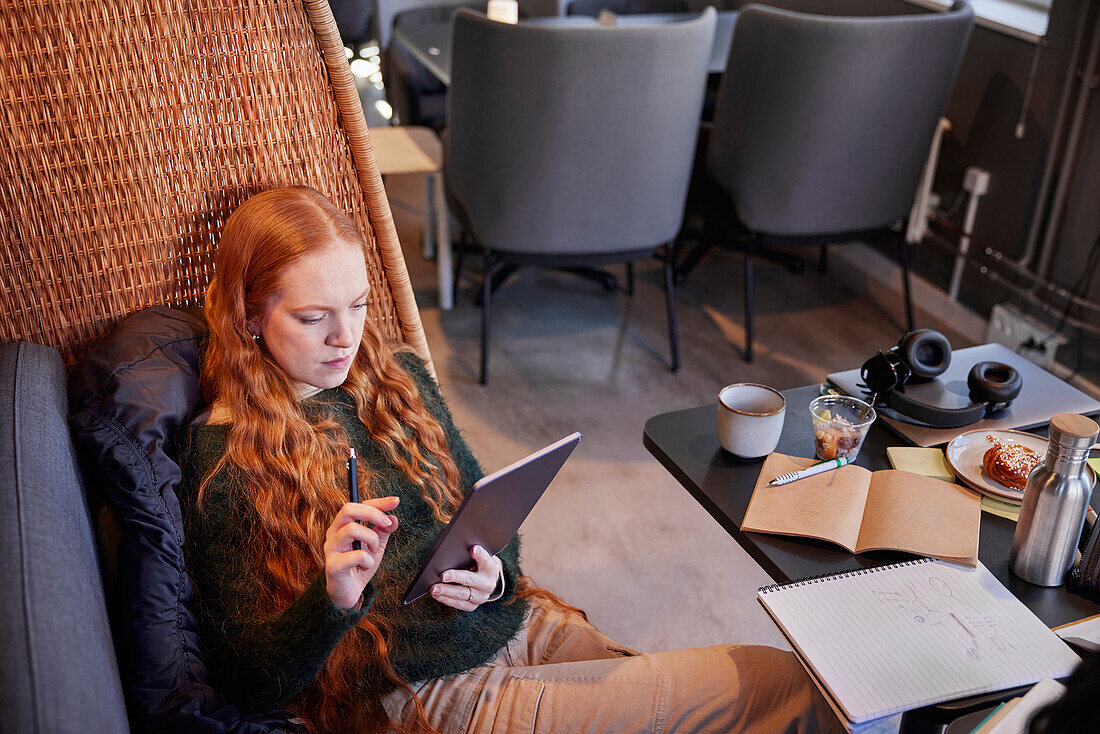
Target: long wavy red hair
x=290 y=465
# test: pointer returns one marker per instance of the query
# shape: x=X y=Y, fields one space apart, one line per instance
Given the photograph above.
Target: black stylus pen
x=353 y=487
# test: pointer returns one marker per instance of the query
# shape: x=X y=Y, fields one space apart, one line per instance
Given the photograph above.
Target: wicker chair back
x=129 y=134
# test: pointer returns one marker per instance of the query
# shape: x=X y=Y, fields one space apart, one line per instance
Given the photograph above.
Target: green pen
x=818 y=468
x=991 y=715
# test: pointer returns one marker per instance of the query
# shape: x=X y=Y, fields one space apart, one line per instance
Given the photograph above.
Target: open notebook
x=862 y=510
x=883 y=640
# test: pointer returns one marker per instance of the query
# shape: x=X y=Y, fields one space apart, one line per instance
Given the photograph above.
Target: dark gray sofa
x=86 y=478
x=58 y=671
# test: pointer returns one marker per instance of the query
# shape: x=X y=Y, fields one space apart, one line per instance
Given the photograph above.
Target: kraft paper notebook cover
x=883 y=640
x=862 y=510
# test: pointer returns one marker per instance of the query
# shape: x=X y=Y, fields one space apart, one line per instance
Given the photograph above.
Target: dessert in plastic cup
x=840 y=424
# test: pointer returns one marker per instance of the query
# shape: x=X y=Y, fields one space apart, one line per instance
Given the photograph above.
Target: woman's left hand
x=467 y=590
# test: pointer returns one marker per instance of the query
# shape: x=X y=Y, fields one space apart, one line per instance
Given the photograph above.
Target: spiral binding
x=842 y=575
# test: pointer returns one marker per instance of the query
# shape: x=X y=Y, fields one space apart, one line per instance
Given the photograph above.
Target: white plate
x=965 y=453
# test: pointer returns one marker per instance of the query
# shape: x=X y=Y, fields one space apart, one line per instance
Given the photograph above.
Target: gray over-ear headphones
x=923 y=355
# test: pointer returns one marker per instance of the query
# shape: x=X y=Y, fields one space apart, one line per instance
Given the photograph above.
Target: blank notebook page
x=893 y=638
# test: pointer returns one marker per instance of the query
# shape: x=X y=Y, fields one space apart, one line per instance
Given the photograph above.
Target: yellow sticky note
x=1000 y=508
x=1095 y=464
x=929 y=462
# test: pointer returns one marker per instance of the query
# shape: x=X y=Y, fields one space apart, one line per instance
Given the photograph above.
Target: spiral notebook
x=883 y=640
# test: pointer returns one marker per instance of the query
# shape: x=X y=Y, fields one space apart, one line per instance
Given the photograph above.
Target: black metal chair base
x=751 y=249
x=496 y=267
x=793 y=263
x=722 y=227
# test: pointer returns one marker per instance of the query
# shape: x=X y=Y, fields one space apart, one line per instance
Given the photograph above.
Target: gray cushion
x=574 y=140
x=57 y=667
x=823 y=123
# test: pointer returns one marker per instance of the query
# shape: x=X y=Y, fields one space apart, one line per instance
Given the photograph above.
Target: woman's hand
x=347 y=571
x=467 y=590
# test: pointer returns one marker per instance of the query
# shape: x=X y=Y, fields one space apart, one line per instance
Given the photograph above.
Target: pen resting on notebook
x=819 y=467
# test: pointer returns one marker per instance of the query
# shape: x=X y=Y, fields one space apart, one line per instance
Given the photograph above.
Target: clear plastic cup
x=840 y=424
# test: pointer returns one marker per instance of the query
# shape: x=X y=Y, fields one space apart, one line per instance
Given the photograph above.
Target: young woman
x=293 y=615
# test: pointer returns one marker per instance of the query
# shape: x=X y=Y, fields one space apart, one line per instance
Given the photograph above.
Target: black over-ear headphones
x=923 y=355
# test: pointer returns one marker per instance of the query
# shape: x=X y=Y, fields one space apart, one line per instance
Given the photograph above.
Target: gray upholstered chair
x=416 y=96
x=386 y=10
x=624 y=7
x=354 y=19
x=573 y=145
x=822 y=128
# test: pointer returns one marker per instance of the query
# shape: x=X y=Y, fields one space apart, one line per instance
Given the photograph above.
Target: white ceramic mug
x=750 y=419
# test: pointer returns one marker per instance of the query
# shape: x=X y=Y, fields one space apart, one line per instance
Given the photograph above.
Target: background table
x=430 y=43
x=686 y=443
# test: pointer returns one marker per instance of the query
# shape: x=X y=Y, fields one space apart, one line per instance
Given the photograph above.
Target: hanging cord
x=1080 y=358
x=989 y=261
x=1082 y=287
x=955 y=205
x=1077 y=293
x=1021 y=124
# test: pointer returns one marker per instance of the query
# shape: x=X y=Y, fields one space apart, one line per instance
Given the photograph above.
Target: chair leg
x=823 y=260
x=428 y=243
x=903 y=258
x=630 y=279
x=501 y=274
x=486 y=310
x=458 y=269
x=749 y=246
x=463 y=245
x=697 y=253
x=442 y=231
x=670 y=300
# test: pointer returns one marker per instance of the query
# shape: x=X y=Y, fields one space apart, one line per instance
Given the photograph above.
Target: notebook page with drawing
x=893 y=638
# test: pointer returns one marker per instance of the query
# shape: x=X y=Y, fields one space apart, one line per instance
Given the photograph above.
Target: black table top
x=686 y=444
x=430 y=43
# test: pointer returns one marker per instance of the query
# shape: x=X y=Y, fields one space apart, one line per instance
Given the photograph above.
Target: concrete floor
x=616 y=534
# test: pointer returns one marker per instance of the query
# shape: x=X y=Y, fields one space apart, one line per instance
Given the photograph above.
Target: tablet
x=491 y=513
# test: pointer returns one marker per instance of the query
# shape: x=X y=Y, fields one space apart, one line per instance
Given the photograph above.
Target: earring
x=255 y=337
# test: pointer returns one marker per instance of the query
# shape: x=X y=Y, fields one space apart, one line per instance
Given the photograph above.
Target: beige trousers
x=560 y=674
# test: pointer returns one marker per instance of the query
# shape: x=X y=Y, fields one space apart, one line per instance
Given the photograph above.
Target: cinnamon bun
x=1009 y=463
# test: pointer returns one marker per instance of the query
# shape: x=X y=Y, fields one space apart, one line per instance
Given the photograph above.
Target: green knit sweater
x=263 y=661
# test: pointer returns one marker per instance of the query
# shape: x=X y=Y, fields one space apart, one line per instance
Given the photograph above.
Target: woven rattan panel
x=131 y=130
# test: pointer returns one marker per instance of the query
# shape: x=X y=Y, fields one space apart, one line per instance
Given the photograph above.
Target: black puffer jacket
x=128 y=399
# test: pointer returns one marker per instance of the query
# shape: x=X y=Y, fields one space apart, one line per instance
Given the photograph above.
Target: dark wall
x=987 y=105
x=984 y=109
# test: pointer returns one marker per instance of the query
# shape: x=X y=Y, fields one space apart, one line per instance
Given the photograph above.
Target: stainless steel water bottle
x=1055 y=500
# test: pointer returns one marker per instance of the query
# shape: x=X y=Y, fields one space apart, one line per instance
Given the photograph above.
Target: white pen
x=821 y=466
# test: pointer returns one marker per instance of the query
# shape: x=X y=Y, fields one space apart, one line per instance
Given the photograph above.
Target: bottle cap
x=1073 y=431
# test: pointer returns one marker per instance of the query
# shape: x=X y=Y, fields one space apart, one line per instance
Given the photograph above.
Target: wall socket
x=1023 y=334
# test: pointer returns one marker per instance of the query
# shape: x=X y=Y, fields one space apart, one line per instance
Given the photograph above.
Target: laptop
x=1043 y=395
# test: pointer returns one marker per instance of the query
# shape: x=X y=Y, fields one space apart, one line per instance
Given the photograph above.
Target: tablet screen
x=491 y=513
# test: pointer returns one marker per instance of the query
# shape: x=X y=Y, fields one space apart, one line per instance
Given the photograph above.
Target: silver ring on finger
x=470 y=597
